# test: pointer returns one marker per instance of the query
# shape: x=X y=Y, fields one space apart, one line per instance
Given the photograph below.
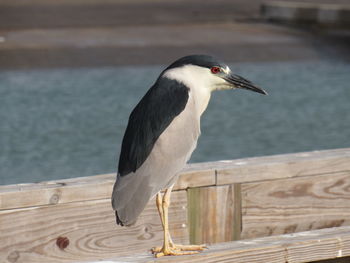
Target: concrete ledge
x=140 y=45
x=307 y=13
x=29 y=14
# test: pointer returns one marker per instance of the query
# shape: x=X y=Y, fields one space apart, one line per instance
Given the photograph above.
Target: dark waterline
x=69 y=122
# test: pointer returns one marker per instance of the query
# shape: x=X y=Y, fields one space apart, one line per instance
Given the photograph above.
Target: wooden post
x=214 y=214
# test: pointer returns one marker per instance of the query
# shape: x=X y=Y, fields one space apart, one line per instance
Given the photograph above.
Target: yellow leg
x=169 y=248
x=159 y=202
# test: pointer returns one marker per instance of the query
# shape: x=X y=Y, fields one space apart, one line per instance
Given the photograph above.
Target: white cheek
x=224 y=86
x=211 y=81
x=220 y=84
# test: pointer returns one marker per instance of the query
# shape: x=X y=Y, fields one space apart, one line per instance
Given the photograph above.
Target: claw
x=155 y=250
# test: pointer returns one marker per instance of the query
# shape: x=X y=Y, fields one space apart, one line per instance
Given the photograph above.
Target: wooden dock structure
x=283 y=208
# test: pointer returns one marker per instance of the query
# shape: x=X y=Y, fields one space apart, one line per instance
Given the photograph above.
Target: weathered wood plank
x=211 y=213
x=56 y=192
x=292 y=248
x=194 y=175
x=84 y=189
x=305 y=191
x=30 y=234
x=195 y=178
x=295 y=204
x=283 y=166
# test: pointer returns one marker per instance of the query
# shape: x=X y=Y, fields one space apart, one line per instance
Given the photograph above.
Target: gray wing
x=171 y=148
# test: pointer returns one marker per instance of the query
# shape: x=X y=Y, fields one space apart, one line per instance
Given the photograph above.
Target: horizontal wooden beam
x=283 y=166
x=300 y=247
x=83 y=231
x=194 y=175
x=295 y=204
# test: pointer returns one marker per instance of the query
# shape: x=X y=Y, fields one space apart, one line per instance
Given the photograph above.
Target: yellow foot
x=173 y=252
x=189 y=247
x=178 y=248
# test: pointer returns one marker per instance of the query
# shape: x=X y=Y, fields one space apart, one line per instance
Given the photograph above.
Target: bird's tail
x=129 y=198
x=119 y=222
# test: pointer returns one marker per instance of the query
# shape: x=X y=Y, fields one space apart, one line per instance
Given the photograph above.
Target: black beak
x=243 y=83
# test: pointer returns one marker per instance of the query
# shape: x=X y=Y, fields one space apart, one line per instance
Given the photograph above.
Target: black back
x=152 y=115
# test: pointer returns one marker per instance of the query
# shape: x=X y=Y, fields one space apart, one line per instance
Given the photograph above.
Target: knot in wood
x=62 y=242
x=54 y=199
x=13 y=257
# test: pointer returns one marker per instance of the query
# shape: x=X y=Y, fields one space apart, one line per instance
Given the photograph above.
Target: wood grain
x=283 y=166
x=195 y=178
x=332 y=243
x=226 y=200
x=84 y=189
x=295 y=204
x=56 y=192
x=211 y=213
x=194 y=175
x=30 y=234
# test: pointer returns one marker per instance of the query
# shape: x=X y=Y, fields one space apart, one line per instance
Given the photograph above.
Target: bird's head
x=207 y=72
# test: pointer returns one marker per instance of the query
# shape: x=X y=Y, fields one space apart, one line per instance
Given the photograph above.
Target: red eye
x=215 y=70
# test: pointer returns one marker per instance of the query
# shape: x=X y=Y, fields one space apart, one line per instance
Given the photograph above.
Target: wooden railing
x=212 y=202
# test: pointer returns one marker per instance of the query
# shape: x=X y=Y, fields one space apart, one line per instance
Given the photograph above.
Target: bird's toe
x=190 y=247
x=155 y=250
x=173 y=252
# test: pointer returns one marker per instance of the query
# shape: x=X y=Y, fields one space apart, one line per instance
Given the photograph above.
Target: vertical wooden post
x=214 y=213
x=237 y=215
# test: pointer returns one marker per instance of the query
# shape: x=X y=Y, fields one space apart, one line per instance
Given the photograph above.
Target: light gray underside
x=169 y=155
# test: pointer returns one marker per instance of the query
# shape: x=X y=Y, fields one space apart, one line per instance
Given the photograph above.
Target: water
x=68 y=123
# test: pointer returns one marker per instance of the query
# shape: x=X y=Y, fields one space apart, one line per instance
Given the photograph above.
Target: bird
x=160 y=136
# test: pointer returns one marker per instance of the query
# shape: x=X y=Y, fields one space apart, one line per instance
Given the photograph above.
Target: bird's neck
x=199 y=88
x=201 y=99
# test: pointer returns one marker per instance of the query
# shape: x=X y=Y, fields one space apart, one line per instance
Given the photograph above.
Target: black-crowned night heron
x=161 y=135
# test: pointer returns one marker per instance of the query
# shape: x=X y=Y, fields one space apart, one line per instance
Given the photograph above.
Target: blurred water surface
x=65 y=123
